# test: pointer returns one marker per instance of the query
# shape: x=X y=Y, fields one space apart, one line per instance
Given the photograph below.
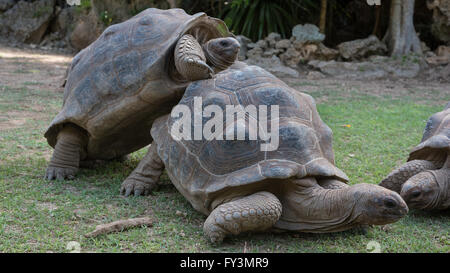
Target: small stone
x=272 y=39
x=283 y=44
x=262 y=44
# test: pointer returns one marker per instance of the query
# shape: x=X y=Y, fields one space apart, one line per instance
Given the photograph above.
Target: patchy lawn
x=375 y=124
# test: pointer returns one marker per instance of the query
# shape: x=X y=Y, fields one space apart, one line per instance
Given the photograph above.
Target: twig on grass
x=120 y=225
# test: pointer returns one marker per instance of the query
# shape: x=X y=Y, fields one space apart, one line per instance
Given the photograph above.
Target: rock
x=324 y=53
x=87 y=29
x=301 y=52
x=291 y=57
x=262 y=44
x=64 y=20
x=6 y=4
x=243 y=41
x=283 y=44
x=380 y=67
x=271 y=52
x=362 y=48
x=441 y=19
x=424 y=47
x=438 y=73
x=120 y=11
x=315 y=75
x=27 y=21
x=255 y=53
x=273 y=38
x=251 y=45
x=298 y=45
x=307 y=33
x=441 y=57
x=274 y=66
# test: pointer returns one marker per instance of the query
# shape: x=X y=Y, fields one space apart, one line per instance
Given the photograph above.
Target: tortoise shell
x=120 y=83
x=435 y=143
x=207 y=172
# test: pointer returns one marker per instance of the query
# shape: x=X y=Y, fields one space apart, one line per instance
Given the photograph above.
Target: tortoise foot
x=144 y=179
x=133 y=185
x=60 y=173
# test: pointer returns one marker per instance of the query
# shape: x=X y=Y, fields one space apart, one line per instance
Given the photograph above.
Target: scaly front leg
x=65 y=161
x=255 y=212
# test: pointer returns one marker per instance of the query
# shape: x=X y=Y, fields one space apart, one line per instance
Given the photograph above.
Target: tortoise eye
x=415 y=194
x=389 y=203
x=224 y=43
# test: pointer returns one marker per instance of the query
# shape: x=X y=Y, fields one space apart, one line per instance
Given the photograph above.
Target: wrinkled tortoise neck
x=442 y=198
x=218 y=62
x=304 y=211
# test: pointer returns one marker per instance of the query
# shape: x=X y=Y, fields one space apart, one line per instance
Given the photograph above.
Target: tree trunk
x=173 y=4
x=401 y=37
x=323 y=16
x=377 y=20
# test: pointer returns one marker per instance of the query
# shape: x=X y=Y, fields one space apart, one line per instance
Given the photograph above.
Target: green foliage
x=106 y=18
x=85 y=5
x=257 y=18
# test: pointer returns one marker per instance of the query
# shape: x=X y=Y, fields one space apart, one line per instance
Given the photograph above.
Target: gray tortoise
x=424 y=181
x=296 y=187
x=133 y=73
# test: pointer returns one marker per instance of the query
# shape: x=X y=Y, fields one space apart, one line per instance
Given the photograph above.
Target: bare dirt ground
x=31 y=69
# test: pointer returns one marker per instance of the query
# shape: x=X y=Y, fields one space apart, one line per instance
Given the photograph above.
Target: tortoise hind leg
x=145 y=177
x=66 y=157
x=255 y=212
x=398 y=177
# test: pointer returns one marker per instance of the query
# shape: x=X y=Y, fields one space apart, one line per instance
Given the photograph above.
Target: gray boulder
x=6 y=4
x=243 y=41
x=27 y=21
x=362 y=48
x=307 y=33
x=274 y=66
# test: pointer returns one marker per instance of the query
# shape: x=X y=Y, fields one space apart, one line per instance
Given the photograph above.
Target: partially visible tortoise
x=133 y=73
x=296 y=187
x=424 y=181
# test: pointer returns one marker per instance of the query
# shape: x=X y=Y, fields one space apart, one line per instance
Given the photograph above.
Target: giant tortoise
x=424 y=180
x=133 y=73
x=296 y=187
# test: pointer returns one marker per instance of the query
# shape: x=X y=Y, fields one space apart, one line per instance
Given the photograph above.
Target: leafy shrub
x=257 y=18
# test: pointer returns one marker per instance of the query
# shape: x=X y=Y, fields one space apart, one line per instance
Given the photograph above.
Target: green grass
x=41 y=216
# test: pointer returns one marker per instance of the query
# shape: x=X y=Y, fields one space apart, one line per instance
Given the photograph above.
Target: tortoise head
x=421 y=191
x=376 y=205
x=221 y=52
